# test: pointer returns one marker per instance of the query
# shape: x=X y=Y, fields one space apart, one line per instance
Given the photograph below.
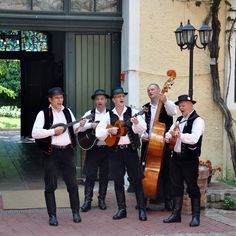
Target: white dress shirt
x=198 y=129
x=38 y=132
x=102 y=132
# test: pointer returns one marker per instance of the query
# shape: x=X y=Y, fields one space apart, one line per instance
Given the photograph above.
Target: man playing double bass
x=123 y=155
x=166 y=117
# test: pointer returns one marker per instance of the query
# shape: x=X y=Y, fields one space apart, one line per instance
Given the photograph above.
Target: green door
x=97 y=66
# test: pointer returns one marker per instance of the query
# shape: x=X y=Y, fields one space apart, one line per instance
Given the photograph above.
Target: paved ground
x=20 y=168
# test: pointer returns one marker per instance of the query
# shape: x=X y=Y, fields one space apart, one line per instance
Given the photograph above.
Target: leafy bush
x=229 y=203
x=10 y=111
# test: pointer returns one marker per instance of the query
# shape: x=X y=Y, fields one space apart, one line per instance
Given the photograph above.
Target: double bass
x=156 y=146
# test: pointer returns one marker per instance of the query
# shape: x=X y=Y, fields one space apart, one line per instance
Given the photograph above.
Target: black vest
x=187 y=150
x=45 y=143
x=134 y=138
x=164 y=117
x=93 y=113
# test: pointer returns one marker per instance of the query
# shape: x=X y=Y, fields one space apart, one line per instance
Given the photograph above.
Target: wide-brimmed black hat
x=184 y=98
x=55 y=91
x=118 y=90
x=99 y=92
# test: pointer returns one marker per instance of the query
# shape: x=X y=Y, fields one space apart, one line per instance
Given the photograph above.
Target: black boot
x=120 y=198
x=195 y=202
x=76 y=217
x=168 y=204
x=74 y=204
x=176 y=212
x=88 y=193
x=51 y=207
x=141 y=205
x=53 y=220
x=102 y=194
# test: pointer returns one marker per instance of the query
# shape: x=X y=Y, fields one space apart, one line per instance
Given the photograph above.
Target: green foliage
x=10 y=111
x=10 y=77
x=8 y=92
x=229 y=203
x=231 y=182
x=9 y=123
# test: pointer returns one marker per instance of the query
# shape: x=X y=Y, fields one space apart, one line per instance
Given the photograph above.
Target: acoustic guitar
x=65 y=126
x=87 y=139
x=156 y=146
x=113 y=140
x=174 y=138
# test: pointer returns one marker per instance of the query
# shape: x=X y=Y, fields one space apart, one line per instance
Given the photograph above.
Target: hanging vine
x=217 y=98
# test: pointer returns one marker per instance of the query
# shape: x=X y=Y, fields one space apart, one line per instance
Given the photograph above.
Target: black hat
x=55 y=91
x=184 y=98
x=99 y=92
x=118 y=90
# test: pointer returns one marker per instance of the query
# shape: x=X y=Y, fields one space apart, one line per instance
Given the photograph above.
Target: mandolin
x=113 y=140
x=65 y=126
x=156 y=146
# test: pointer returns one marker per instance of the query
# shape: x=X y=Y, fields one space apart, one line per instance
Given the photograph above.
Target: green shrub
x=229 y=203
x=10 y=111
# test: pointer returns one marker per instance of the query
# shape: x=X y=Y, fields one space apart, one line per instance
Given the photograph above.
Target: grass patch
x=9 y=123
x=231 y=182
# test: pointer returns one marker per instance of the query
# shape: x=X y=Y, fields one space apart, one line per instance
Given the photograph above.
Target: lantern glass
x=205 y=34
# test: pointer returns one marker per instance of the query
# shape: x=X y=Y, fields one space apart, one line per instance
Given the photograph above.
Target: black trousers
x=60 y=160
x=184 y=170
x=96 y=164
x=120 y=161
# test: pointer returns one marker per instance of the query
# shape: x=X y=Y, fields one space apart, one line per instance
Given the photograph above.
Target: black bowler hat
x=99 y=92
x=55 y=91
x=184 y=98
x=118 y=90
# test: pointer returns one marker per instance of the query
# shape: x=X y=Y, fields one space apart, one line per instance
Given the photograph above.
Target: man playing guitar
x=96 y=157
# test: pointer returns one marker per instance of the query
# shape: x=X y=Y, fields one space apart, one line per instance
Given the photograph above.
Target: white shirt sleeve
x=141 y=127
x=38 y=131
x=197 y=130
x=101 y=131
x=88 y=125
x=170 y=108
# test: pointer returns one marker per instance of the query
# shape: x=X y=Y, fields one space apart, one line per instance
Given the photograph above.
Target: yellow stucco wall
x=159 y=53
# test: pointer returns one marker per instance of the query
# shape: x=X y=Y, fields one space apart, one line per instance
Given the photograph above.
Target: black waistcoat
x=134 y=138
x=187 y=150
x=163 y=118
x=45 y=143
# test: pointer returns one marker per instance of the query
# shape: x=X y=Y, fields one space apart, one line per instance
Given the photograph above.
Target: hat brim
x=93 y=96
x=192 y=101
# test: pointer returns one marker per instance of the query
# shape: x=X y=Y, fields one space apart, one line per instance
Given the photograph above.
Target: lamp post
x=186 y=39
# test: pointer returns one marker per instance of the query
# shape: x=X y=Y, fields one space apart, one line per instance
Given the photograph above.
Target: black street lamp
x=186 y=39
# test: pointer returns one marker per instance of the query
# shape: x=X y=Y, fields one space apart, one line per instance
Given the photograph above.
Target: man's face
x=185 y=107
x=119 y=100
x=153 y=91
x=100 y=101
x=56 y=101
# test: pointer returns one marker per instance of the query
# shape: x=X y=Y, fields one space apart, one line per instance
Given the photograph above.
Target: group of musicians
x=120 y=132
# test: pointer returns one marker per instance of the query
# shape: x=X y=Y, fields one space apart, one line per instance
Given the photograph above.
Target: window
x=29 y=41
x=95 y=5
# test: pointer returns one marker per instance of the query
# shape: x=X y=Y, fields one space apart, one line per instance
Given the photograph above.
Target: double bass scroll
x=156 y=146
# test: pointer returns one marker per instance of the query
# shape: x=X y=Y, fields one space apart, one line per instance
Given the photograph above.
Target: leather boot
x=102 y=194
x=176 y=212
x=74 y=201
x=195 y=202
x=53 y=220
x=141 y=205
x=88 y=193
x=51 y=207
x=120 y=198
x=76 y=217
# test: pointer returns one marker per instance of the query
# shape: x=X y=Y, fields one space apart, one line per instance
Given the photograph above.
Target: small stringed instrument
x=113 y=140
x=156 y=145
x=65 y=126
x=174 y=138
